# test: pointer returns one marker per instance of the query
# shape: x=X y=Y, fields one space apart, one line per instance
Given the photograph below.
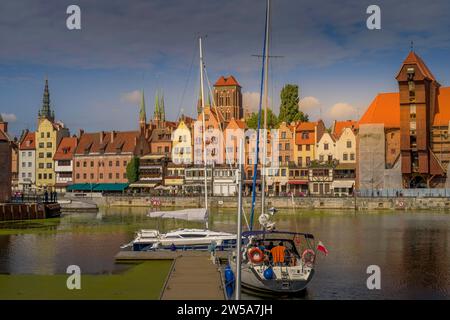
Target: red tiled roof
x=234 y=123
x=385 y=109
x=339 y=126
x=66 y=148
x=29 y=142
x=3 y=136
x=413 y=58
x=124 y=141
x=226 y=81
x=302 y=127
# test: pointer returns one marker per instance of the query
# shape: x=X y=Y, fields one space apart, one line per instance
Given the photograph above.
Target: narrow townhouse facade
x=182 y=144
x=307 y=135
x=326 y=150
x=64 y=163
x=27 y=162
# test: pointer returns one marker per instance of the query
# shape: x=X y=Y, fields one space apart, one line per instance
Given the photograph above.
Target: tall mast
x=255 y=167
x=202 y=93
x=266 y=102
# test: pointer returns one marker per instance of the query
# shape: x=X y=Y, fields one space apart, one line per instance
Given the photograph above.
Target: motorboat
x=181 y=239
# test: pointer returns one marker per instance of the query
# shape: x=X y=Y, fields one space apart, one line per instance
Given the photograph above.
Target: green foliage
x=133 y=170
x=289 y=111
x=272 y=120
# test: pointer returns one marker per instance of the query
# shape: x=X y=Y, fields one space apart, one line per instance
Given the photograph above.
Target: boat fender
x=308 y=256
x=229 y=281
x=268 y=274
x=256 y=255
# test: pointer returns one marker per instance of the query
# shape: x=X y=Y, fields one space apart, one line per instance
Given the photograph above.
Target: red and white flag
x=322 y=248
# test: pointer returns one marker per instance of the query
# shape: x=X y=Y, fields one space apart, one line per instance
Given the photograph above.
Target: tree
x=133 y=170
x=289 y=111
x=272 y=120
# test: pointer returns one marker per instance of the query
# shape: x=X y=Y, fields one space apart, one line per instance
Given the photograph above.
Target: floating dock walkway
x=193 y=275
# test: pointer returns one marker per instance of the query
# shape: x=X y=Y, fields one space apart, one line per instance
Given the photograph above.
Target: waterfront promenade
x=307 y=203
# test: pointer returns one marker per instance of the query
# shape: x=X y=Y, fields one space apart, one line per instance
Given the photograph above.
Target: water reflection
x=412 y=249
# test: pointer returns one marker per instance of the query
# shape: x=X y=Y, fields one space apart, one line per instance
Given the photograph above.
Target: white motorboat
x=181 y=239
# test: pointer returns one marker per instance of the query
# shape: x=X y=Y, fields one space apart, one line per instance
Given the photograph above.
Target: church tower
x=418 y=91
x=45 y=112
x=142 y=114
x=228 y=98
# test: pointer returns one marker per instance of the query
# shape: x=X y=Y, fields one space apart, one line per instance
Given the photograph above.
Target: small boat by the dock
x=276 y=262
x=181 y=239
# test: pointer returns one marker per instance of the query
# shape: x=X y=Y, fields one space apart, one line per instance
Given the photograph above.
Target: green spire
x=142 y=114
x=156 y=112
x=45 y=111
x=162 y=111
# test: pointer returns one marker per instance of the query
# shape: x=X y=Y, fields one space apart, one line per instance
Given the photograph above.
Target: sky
x=95 y=74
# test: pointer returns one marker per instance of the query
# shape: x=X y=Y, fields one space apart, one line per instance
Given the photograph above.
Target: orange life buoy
x=256 y=255
x=308 y=260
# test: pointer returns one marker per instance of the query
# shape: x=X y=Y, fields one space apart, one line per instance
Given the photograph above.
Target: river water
x=412 y=249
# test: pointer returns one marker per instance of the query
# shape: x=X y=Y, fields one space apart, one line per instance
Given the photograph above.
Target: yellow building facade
x=48 y=135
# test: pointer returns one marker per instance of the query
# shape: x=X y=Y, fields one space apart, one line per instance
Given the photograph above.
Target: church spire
x=45 y=111
x=162 y=111
x=156 y=113
x=142 y=113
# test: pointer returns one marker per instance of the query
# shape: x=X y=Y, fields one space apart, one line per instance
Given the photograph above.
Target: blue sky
x=125 y=46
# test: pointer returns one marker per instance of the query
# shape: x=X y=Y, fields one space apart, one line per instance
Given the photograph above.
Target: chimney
x=135 y=140
x=113 y=135
x=102 y=133
x=80 y=132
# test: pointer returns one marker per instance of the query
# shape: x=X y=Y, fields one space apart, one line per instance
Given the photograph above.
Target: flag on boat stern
x=322 y=248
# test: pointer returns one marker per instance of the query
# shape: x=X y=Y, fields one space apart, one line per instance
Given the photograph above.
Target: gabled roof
x=235 y=123
x=384 y=109
x=339 y=126
x=100 y=142
x=413 y=58
x=66 y=148
x=161 y=135
x=28 y=142
x=226 y=81
x=308 y=127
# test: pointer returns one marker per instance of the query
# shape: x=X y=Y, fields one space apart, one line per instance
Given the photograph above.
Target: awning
x=174 y=182
x=342 y=184
x=298 y=182
x=81 y=187
x=110 y=187
x=142 y=185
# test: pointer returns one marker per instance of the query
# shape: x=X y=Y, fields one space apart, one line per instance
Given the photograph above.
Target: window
x=40 y=175
x=41 y=166
x=287 y=158
x=23 y=153
x=330 y=158
x=49 y=165
x=50 y=176
x=84 y=176
x=288 y=146
x=84 y=164
x=45 y=176
x=92 y=176
x=125 y=176
x=42 y=135
x=349 y=144
x=110 y=163
x=117 y=163
x=321 y=158
x=117 y=176
x=48 y=134
x=110 y=175
x=166 y=149
x=325 y=146
x=24 y=164
x=283 y=172
x=345 y=157
x=299 y=147
x=101 y=175
x=305 y=135
x=308 y=161
x=315 y=187
x=49 y=154
x=352 y=156
x=92 y=164
x=41 y=155
x=23 y=175
x=78 y=176
x=300 y=161
x=30 y=164
x=49 y=144
x=41 y=144
x=283 y=135
x=78 y=164
x=30 y=153
x=308 y=147
x=125 y=163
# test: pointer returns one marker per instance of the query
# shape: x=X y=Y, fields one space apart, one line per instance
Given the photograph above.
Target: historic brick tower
x=228 y=98
x=418 y=105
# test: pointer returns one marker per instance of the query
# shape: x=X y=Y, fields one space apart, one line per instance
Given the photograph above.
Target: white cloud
x=250 y=101
x=133 y=97
x=308 y=104
x=342 y=111
x=9 y=117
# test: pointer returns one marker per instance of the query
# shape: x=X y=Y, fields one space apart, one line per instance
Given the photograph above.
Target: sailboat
x=273 y=262
x=186 y=239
